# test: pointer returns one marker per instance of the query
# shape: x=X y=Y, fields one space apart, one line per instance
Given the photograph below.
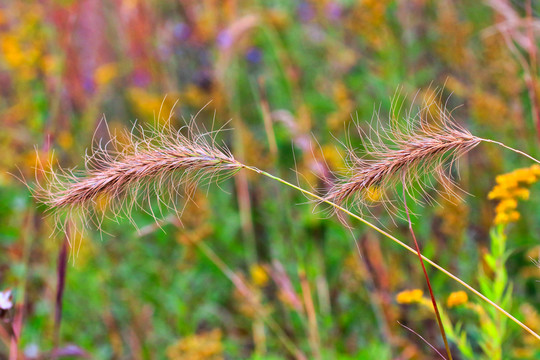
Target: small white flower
x=5 y=300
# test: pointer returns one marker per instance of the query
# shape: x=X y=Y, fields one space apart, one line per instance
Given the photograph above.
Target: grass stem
x=400 y=243
x=512 y=149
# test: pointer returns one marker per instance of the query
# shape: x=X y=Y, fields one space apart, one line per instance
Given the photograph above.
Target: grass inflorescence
x=411 y=151
x=160 y=165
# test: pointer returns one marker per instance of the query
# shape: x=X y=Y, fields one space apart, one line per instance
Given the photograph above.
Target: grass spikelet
x=161 y=164
x=418 y=150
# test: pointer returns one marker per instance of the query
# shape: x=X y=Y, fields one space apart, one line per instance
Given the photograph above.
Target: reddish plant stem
x=61 y=283
x=433 y=301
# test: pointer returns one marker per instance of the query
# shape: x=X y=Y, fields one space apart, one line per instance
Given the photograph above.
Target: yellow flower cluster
x=409 y=296
x=368 y=19
x=509 y=188
x=23 y=43
x=457 y=298
x=198 y=347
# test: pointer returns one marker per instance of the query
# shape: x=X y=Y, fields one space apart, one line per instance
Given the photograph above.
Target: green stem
x=402 y=244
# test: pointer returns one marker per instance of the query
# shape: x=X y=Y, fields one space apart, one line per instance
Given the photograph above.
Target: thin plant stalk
x=511 y=149
x=397 y=241
x=431 y=295
x=423 y=339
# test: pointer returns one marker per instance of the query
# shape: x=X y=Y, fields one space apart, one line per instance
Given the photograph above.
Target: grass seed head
x=417 y=150
x=160 y=164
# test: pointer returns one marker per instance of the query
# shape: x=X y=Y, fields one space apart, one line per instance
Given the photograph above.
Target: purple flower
x=88 y=84
x=334 y=11
x=254 y=55
x=181 y=31
x=224 y=40
x=305 y=12
x=141 y=78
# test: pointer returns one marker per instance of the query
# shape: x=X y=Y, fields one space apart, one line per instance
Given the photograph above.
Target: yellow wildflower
x=409 y=296
x=498 y=193
x=506 y=204
x=332 y=157
x=457 y=298
x=525 y=175
x=501 y=218
x=259 y=277
x=513 y=216
x=511 y=187
x=522 y=193
x=150 y=105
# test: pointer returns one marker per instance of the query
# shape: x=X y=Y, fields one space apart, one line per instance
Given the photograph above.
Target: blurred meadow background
x=252 y=269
